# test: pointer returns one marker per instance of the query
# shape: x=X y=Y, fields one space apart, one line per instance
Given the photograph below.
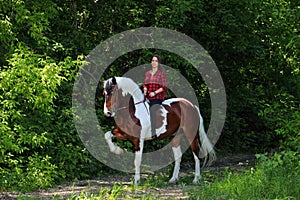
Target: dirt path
x=177 y=191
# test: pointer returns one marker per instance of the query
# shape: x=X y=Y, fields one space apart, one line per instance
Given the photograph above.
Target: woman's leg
x=154 y=106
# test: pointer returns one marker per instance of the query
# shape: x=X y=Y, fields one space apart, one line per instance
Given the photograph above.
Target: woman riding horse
x=154 y=89
x=124 y=99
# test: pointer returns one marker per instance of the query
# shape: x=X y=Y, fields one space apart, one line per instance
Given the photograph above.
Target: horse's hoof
x=172 y=181
x=136 y=182
x=119 y=151
x=196 y=181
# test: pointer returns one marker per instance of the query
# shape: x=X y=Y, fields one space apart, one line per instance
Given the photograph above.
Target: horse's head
x=109 y=93
x=118 y=96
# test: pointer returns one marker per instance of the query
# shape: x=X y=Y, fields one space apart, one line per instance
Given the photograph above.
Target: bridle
x=115 y=110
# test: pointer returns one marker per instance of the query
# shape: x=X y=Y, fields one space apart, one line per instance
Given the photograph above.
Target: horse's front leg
x=137 y=162
x=113 y=148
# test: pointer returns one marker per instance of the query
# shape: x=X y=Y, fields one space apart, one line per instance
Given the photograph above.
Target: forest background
x=255 y=45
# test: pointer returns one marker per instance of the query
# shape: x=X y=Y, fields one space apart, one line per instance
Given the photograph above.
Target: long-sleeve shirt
x=154 y=82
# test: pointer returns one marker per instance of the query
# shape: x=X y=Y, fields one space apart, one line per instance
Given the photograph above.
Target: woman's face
x=154 y=62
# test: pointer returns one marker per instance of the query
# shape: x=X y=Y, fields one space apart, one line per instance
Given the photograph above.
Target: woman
x=154 y=89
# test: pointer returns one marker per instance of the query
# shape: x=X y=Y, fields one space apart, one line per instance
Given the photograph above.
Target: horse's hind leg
x=197 y=170
x=137 y=162
x=177 y=155
x=195 y=149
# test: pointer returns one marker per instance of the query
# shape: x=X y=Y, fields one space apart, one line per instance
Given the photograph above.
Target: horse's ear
x=114 y=81
x=101 y=80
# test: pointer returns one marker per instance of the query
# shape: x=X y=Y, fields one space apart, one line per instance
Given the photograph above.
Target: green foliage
x=282 y=114
x=258 y=65
x=290 y=132
x=27 y=22
x=28 y=89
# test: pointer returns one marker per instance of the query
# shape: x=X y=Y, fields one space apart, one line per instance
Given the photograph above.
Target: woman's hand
x=152 y=94
x=145 y=91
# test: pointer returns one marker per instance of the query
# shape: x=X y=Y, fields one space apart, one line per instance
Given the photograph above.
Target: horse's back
x=177 y=100
x=183 y=108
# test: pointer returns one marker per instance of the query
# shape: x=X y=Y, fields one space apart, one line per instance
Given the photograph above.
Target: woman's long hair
x=160 y=67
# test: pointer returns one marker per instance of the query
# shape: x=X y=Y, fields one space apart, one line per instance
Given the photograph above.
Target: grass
x=116 y=192
x=264 y=182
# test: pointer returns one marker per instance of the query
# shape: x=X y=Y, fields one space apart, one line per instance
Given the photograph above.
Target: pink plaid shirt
x=153 y=83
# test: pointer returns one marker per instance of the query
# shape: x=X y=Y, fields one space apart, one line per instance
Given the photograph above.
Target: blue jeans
x=154 y=106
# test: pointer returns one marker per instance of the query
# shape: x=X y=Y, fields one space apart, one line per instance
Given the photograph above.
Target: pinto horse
x=124 y=99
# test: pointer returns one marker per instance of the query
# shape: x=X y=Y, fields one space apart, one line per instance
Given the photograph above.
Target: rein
x=124 y=107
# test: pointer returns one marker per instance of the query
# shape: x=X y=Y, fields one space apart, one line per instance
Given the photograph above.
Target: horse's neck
x=136 y=96
x=128 y=86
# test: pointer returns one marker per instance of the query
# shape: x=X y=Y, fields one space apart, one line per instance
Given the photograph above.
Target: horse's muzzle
x=109 y=114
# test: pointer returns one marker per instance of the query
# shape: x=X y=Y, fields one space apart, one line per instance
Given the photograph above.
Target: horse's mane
x=129 y=86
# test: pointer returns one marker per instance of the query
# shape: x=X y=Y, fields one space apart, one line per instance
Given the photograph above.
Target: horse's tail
x=206 y=148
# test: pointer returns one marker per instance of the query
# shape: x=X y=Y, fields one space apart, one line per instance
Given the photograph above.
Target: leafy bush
x=28 y=137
